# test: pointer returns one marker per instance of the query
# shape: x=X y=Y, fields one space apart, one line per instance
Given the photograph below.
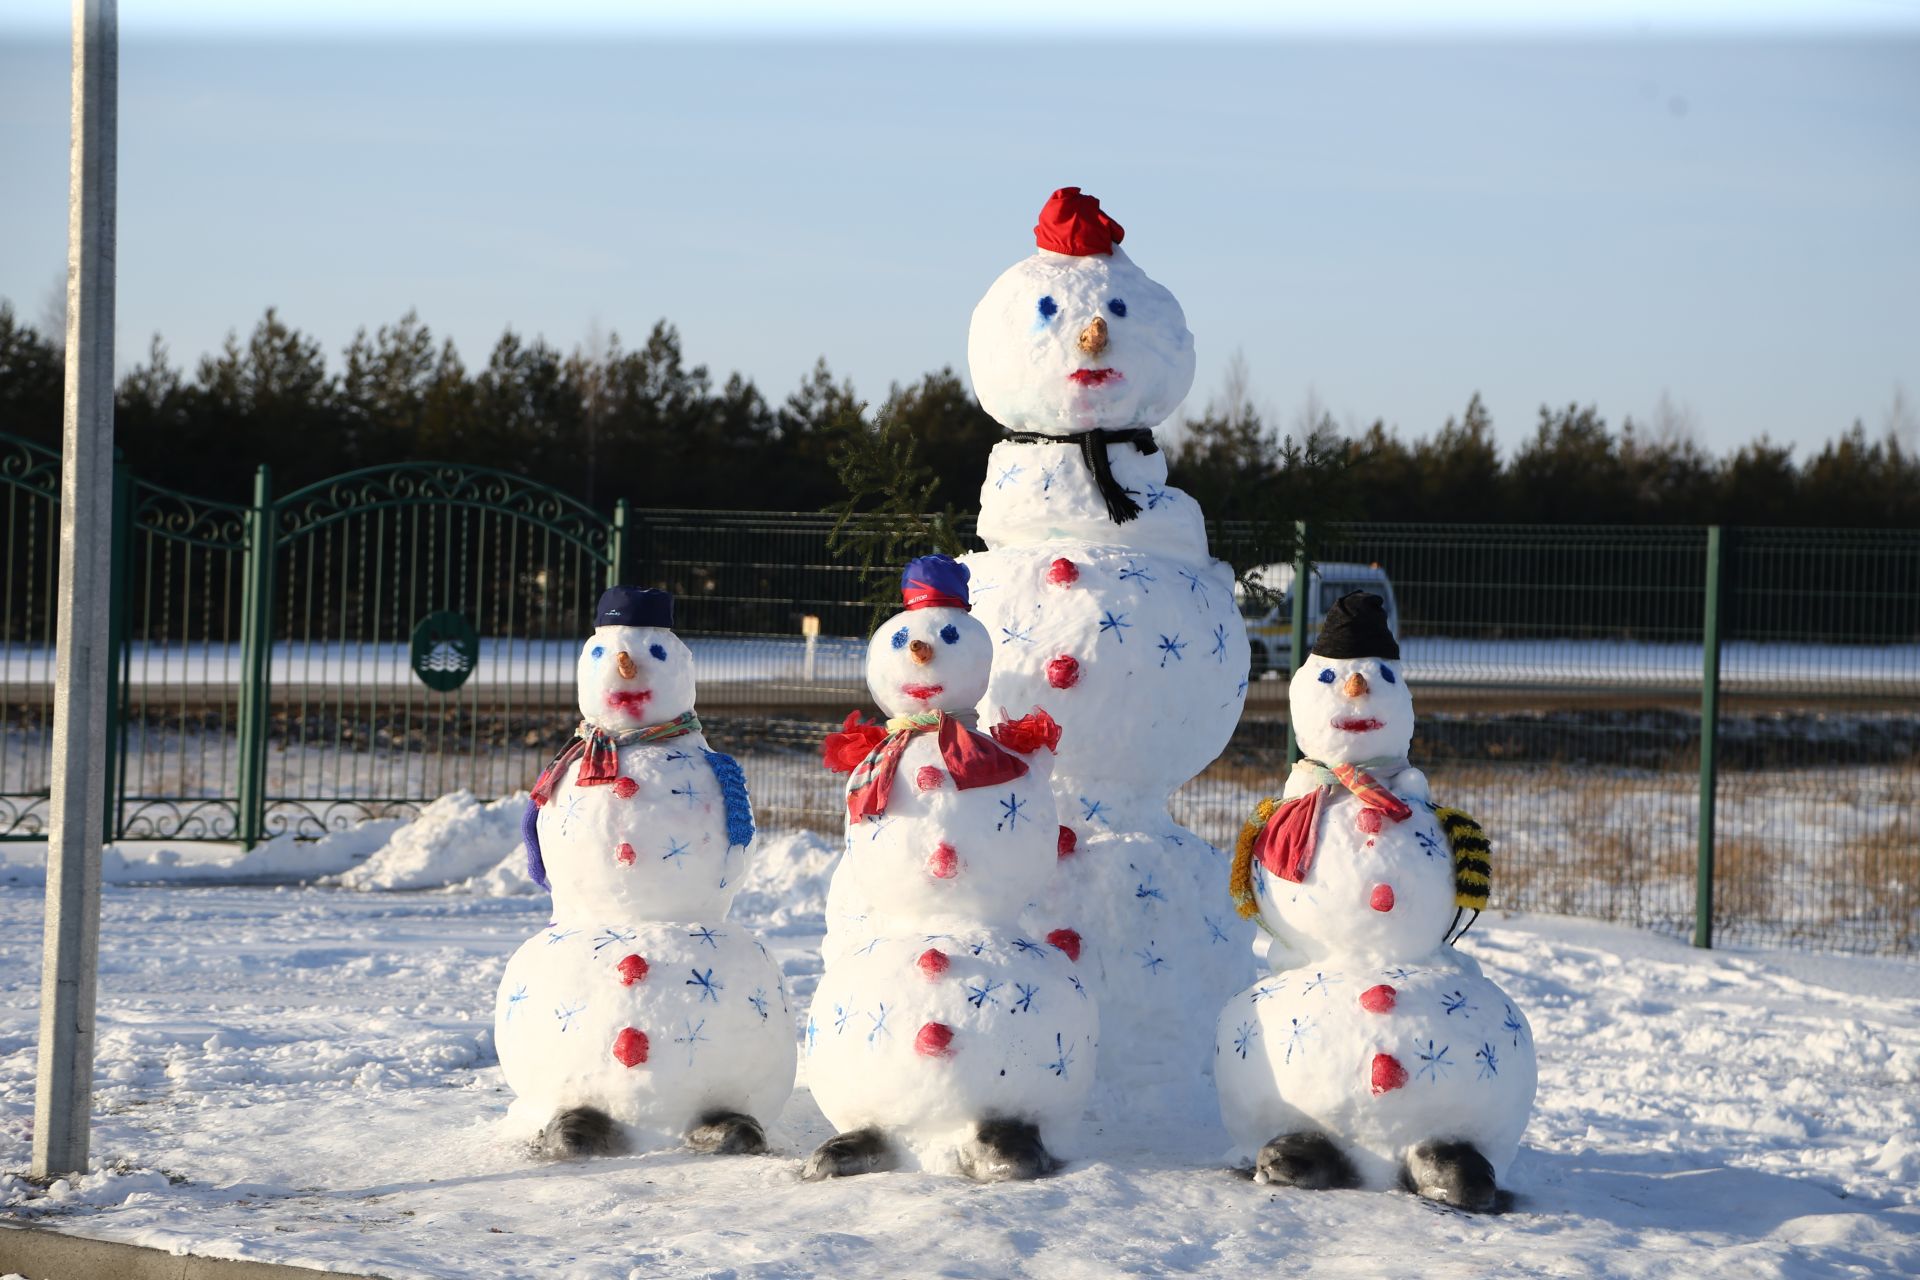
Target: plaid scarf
x=599 y=753
x=973 y=759
x=1281 y=835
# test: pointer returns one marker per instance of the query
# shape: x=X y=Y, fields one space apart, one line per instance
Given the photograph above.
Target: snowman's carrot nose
x=624 y=665
x=922 y=652
x=1093 y=338
x=1355 y=686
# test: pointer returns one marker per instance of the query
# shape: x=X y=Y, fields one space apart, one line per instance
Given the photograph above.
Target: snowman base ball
x=697 y=1013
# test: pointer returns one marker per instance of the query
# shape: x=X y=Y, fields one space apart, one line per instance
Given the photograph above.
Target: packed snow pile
x=283 y=858
x=455 y=838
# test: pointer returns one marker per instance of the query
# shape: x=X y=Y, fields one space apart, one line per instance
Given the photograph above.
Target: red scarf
x=971 y=758
x=1285 y=845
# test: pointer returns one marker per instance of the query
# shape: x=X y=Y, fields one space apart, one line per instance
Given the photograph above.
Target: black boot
x=1453 y=1173
x=1309 y=1161
x=579 y=1131
x=846 y=1154
x=727 y=1133
x=1006 y=1151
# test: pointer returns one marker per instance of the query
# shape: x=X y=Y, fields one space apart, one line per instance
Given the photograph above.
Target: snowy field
x=1433 y=661
x=306 y=1075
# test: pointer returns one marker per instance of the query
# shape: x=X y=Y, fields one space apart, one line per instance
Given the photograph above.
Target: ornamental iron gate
x=352 y=650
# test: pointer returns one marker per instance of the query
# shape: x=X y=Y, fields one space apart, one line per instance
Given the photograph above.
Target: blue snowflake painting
x=567 y=1013
x=1065 y=1059
x=1092 y=810
x=706 y=935
x=1429 y=843
x=1194 y=584
x=1268 y=990
x=841 y=1016
x=1027 y=991
x=1116 y=623
x=1014 y=631
x=1028 y=945
x=1149 y=960
x=709 y=989
x=1170 y=647
x=813 y=1033
x=1243 y=1037
x=1434 y=1063
x=1008 y=475
x=611 y=936
x=676 y=850
x=1147 y=888
x=1158 y=497
x=1297 y=1033
x=880 y=1027
x=1489 y=1060
x=1219 y=650
x=1517 y=1028
x=1012 y=809
x=1077 y=985
x=1214 y=932
x=560 y=935
x=514 y=1000
x=691 y=792
x=1134 y=573
x=981 y=995
x=1322 y=983
x=759 y=1002
x=1456 y=1002
x=693 y=1038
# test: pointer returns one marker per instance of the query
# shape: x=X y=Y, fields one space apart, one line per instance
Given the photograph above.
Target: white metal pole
x=63 y=1092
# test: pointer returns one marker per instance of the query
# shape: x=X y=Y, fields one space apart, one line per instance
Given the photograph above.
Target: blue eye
x=950 y=634
x=598 y=652
x=900 y=638
x=1387 y=671
x=1118 y=307
x=1048 y=307
x=659 y=652
x=1326 y=675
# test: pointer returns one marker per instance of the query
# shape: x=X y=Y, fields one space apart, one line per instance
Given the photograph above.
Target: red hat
x=1072 y=223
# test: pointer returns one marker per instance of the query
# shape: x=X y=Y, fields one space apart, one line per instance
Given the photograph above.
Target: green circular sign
x=446 y=649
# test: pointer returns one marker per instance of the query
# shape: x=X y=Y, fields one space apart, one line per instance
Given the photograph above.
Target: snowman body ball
x=944 y=1030
x=640 y=1017
x=1376 y=1054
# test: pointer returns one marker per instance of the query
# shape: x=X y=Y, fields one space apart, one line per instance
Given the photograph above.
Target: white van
x=1270 y=625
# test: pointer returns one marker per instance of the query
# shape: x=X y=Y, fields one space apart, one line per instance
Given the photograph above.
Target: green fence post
x=256 y=649
x=1709 y=740
x=617 y=546
x=1297 y=643
x=118 y=579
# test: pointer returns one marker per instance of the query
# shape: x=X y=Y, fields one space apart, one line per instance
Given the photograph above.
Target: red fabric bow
x=1072 y=223
x=843 y=751
x=1029 y=733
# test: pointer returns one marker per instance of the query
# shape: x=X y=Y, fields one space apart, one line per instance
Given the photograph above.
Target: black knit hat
x=634 y=607
x=1356 y=627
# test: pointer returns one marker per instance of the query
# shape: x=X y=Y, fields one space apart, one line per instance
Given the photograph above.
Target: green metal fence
x=271 y=680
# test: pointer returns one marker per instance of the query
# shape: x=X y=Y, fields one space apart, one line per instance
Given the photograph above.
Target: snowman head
x=1076 y=337
x=633 y=670
x=1348 y=702
x=934 y=655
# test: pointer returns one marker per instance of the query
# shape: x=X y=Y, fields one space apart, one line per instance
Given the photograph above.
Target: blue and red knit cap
x=935 y=582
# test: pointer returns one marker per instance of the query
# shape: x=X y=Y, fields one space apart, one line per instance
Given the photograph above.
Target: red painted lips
x=1094 y=377
x=631 y=701
x=1358 y=726
x=922 y=692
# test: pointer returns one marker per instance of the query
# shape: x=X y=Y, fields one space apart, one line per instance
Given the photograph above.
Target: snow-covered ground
x=306 y=1074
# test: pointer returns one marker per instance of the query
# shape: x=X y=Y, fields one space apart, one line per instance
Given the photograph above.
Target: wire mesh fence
x=1557 y=673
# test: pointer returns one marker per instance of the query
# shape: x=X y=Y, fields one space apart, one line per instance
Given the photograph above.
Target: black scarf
x=1093 y=448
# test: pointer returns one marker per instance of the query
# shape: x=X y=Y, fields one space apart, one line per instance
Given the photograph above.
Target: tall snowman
x=1379 y=1054
x=639 y=1017
x=942 y=1031
x=1102 y=601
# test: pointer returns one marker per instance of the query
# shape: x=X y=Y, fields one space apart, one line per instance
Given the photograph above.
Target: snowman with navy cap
x=945 y=1030
x=1102 y=600
x=639 y=1017
x=1376 y=1054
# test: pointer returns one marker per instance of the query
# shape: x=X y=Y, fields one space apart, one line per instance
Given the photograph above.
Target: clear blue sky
x=1383 y=216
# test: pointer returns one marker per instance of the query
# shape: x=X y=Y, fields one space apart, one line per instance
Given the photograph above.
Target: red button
x=1381 y=899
